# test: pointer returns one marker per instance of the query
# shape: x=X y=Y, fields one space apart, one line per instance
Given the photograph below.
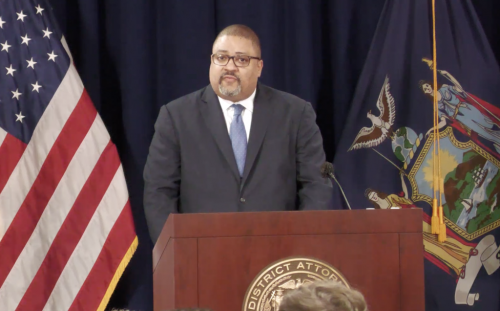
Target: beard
x=227 y=92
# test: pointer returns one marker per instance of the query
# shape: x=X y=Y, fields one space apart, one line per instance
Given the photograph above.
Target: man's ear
x=261 y=66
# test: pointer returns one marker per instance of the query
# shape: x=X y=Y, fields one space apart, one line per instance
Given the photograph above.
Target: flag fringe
x=118 y=274
x=435 y=218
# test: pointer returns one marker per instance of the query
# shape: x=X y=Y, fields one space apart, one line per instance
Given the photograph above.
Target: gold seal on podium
x=267 y=289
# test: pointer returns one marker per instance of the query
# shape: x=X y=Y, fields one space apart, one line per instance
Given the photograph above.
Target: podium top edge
x=294 y=223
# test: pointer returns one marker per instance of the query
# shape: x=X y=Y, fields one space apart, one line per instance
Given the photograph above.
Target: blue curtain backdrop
x=135 y=56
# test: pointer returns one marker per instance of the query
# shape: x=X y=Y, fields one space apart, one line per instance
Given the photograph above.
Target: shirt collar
x=247 y=103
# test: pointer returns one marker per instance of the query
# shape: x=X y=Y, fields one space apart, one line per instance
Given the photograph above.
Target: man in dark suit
x=235 y=145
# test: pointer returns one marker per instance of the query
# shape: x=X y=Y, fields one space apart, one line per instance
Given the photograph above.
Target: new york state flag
x=385 y=157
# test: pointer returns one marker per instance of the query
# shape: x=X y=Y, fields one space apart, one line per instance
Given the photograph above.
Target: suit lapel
x=214 y=119
x=261 y=117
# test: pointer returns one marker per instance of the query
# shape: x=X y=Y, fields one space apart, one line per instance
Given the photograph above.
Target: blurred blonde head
x=188 y=309
x=323 y=296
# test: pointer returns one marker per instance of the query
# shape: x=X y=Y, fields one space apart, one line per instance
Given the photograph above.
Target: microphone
x=327 y=171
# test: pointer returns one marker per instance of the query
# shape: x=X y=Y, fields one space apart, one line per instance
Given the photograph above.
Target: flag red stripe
x=452 y=234
x=427 y=218
x=71 y=230
x=51 y=172
x=11 y=151
x=116 y=246
x=437 y=262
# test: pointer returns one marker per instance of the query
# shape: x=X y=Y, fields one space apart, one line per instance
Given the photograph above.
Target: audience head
x=185 y=309
x=323 y=296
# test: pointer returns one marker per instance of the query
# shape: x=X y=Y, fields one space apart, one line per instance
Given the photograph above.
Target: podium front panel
x=210 y=261
x=223 y=283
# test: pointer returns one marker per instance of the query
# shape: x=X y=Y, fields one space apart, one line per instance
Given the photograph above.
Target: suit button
x=242 y=200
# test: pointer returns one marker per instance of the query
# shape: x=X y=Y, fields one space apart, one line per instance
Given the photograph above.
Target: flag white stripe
x=88 y=249
x=48 y=128
x=55 y=213
x=3 y=134
x=66 y=48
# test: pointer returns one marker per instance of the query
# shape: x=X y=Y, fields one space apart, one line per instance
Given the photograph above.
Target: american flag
x=66 y=227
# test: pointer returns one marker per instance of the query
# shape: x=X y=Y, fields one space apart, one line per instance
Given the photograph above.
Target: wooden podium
x=210 y=260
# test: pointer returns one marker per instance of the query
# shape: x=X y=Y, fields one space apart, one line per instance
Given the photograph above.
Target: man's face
x=231 y=82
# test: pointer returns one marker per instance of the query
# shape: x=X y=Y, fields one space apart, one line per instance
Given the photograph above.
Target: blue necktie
x=238 y=136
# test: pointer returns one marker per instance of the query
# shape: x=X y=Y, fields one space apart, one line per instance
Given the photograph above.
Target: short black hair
x=243 y=31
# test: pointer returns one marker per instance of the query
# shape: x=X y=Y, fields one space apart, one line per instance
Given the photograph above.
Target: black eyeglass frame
x=229 y=58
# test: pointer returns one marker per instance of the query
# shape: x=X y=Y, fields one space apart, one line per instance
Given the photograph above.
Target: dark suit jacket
x=191 y=166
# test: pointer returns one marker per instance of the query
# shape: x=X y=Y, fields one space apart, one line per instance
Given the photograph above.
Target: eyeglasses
x=239 y=60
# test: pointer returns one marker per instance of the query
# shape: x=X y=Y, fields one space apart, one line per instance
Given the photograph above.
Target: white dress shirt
x=246 y=114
